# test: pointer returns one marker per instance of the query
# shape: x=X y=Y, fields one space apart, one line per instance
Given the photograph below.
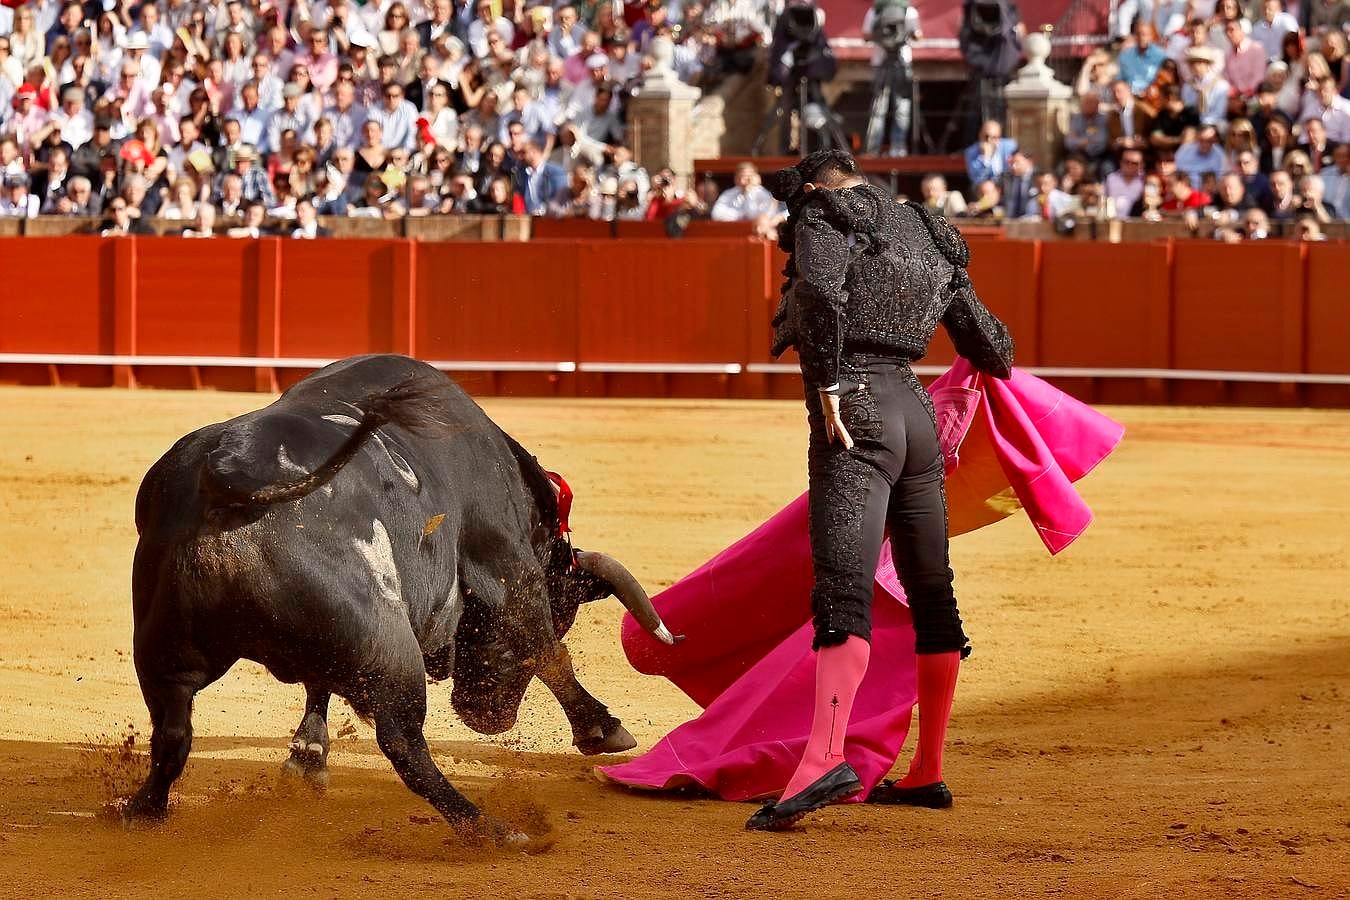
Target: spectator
x=1128 y=123
x=1233 y=197
x=1255 y=183
x=939 y=199
x=1285 y=205
x=747 y=200
x=307 y=225
x=1274 y=24
x=1091 y=204
x=396 y=117
x=580 y=199
x=1207 y=93
x=1312 y=200
x=1336 y=180
x=184 y=205
x=78 y=200
x=987 y=202
x=987 y=159
x=121 y=222
x=1149 y=205
x=1326 y=104
x=1245 y=65
x=1278 y=142
x=17 y=202
x=1202 y=155
x=1073 y=173
x=1182 y=197
x=1016 y=186
x=1241 y=137
x=1049 y=202
x=1255 y=225
x=1139 y=62
x=255 y=214
x=485 y=23
x=206 y=223
x=1125 y=186
x=1315 y=143
x=538 y=181
x=49 y=181
x=1088 y=132
x=254 y=183
x=664 y=200
x=496 y=200
x=1308 y=229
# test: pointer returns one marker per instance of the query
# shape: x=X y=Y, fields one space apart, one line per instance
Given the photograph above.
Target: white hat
x=1203 y=54
x=597 y=61
x=138 y=41
x=360 y=39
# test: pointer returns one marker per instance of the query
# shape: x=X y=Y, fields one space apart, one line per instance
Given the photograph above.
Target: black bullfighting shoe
x=930 y=796
x=835 y=785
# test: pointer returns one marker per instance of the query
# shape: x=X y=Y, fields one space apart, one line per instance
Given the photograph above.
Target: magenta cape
x=746 y=613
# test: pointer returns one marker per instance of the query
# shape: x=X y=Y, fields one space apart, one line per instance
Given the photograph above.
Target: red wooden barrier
x=648 y=316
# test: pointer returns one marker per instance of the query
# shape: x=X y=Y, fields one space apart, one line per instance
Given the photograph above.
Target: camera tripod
x=796 y=101
x=892 y=88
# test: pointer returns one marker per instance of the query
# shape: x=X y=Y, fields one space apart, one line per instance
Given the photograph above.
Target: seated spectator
x=255 y=214
x=1175 y=123
x=1139 y=62
x=1125 y=186
x=1149 y=205
x=1274 y=24
x=1315 y=143
x=1255 y=225
x=939 y=199
x=1016 y=187
x=664 y=200
x=747 y=200
x=121 y=222
x=623 y=167
x=17 y=203
x=988 y=201
x=580 y=199
x=184 y=205
x=1298 y=164
x=496 y=200
x=1232 y=197
x=987 y=158
x=1308 y=229
x=1087 y=134
x=1207 y=92
x=538 y=181
x=1256 y=184
x=1073 y=172
x=1278 y=142
x=460 y=194
x=1049 y=202
x=1326 y=104
x=307 y=225
x=371 y=153
x=1312 y=200
x=206 y=223
x=1336 y=181
x=1202 y=155
x=1128 y=123
x=1182 y=197
x=486 y=23
x=78 y=199
x=254 y=183
x=1245 y=64
x=1091 y=204
x=1098 y=75
x=1285 y=205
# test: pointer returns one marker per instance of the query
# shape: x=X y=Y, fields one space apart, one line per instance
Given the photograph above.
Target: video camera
x=800 y=48
x=889 y=29
x=989 y=37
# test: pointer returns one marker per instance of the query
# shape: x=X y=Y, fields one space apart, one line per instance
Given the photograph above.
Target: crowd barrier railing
x=1158 y=322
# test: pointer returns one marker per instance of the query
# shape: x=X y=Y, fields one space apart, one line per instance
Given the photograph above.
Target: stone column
x=660 y=116
x=1038 y=105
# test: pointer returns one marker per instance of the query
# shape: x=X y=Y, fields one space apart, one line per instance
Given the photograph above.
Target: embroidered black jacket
x=869 y=275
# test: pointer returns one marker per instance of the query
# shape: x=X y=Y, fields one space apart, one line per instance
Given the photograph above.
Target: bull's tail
x=413 y=404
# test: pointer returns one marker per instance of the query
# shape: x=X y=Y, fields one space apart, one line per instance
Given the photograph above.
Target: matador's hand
x=834 y=425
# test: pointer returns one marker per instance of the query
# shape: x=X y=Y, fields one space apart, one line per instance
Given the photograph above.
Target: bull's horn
x=629 y=592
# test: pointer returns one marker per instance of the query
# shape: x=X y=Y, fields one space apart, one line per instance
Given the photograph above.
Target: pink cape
x=746 y=613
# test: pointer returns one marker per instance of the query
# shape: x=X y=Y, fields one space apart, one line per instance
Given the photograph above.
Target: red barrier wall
x=602 y=304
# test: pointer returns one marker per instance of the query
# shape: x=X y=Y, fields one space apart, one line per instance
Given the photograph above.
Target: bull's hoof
x=490 y=831
x=138 y=816
x=308 y=763
x=617 y=740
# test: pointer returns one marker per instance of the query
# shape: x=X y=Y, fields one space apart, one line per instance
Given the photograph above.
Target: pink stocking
x=937 y=685
x=839 y=671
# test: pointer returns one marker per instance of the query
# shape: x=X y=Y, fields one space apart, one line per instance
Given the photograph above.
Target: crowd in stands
x=1206 y=111
x=281 y=110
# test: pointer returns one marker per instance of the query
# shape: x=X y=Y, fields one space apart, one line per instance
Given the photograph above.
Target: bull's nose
x=483 y=718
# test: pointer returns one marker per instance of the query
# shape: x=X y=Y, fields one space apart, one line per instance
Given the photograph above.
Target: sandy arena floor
x=1162 y=711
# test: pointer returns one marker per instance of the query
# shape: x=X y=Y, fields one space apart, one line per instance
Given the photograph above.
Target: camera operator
x=740 y=29
x=891 y=25
x=799 y=48
x=991 y=42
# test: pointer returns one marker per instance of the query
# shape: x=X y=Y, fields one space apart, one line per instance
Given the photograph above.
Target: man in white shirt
x=397 y=118
x=250 y=115
x=136 y=50
x=1274 y=24
x=1329 y=106
x=747 y=200
x=1336 y=180
x=565 y=38
x=268 y=84
x=1202 y=155
x=346 y=115
x=486 y=21
x=76 y=122
x=16 y=202
x=1126 y=185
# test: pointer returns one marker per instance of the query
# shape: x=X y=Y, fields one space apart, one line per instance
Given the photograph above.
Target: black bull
x=369 y=529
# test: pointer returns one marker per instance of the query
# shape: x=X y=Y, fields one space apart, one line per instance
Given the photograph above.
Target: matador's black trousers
x=892 y=480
